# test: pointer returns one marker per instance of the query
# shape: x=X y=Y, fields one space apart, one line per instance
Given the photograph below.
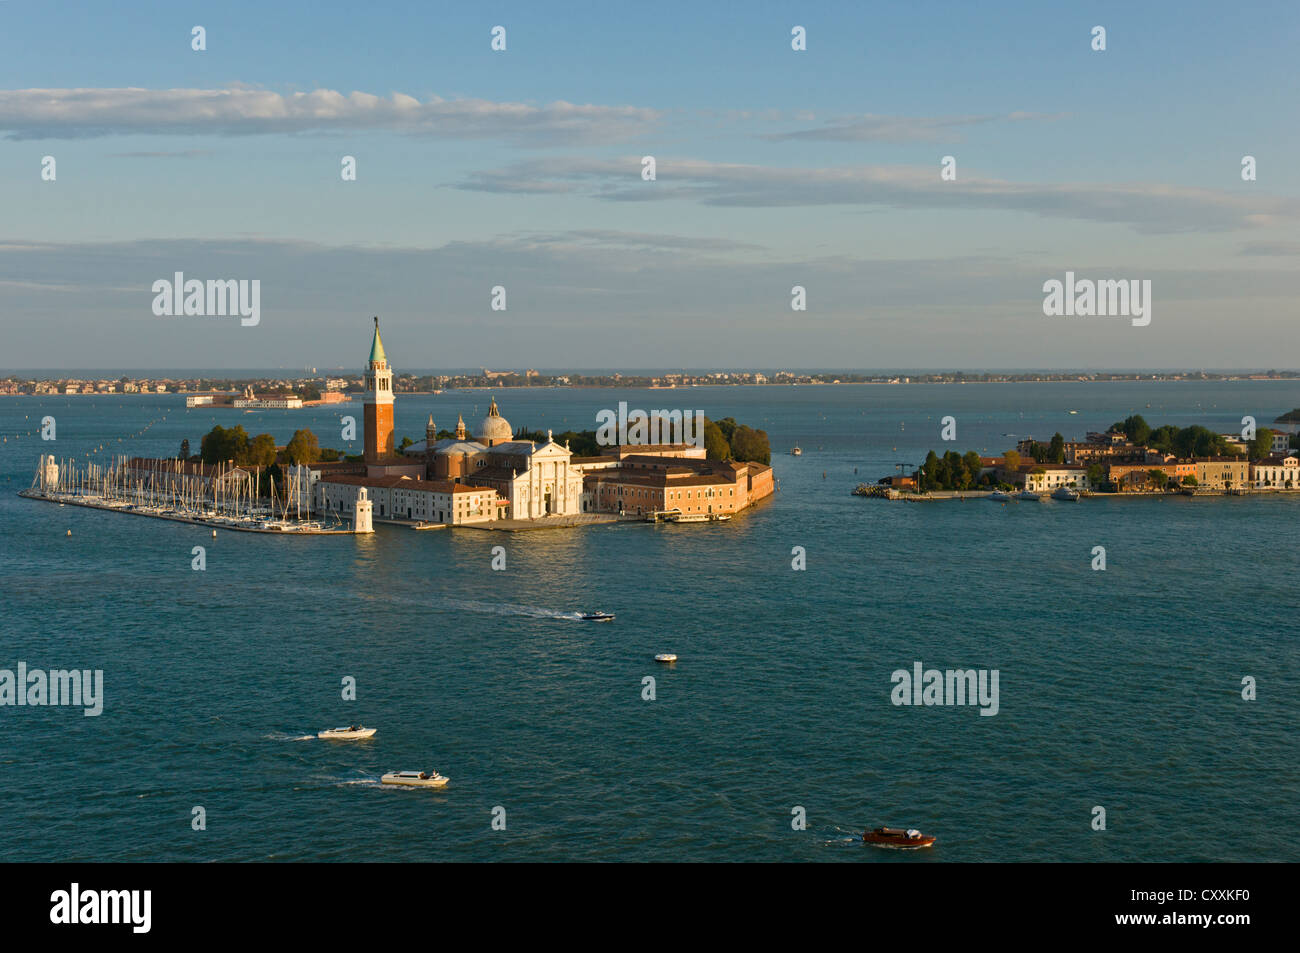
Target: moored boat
x=998 y=496
x=1028 y=496
x=910 y=839
x=1065 y=493
x=414 y=779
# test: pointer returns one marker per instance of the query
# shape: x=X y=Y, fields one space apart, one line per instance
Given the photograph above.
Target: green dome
x=377 y=346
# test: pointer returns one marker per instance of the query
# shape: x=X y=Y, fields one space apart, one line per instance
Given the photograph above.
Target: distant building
x=404 y=498
x=1046 y=477
x=638 y=485
x=1278 y=471
x=1223 y=472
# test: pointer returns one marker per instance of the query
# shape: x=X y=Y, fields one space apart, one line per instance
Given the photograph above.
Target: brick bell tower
x=378 y=404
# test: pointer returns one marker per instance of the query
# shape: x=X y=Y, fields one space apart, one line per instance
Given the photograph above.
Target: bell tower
x=378 y=403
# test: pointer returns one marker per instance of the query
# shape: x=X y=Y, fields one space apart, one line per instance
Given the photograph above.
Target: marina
x=221 y=498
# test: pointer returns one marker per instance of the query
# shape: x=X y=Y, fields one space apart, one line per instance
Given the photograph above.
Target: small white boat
x=998 y=496
x=1029 y=496
x=415 y=779
x=348 y=733
x=665 y=657
x=1065 y=493
x=796 y=451
x=597 y=617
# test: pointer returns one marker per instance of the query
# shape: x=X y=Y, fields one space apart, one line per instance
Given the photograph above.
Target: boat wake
x=284 y=736
x=502 y=608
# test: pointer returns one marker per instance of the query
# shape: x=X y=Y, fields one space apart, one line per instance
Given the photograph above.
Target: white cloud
x=76 y=113
x=1147 y=207
x=873 y=128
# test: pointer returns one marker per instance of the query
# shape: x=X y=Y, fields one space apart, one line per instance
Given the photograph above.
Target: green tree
x=1056 y=452
x=728 y=427
x=1157 y=478
x=716 y=446
x=749 y=445
x=1011 y=461
x=261 y=452
x=1262 y=445
x=1190 y=480
x=929 y=472
x=219 y=444
x=1096 y=474
x=302 y=447
x=1136 y=429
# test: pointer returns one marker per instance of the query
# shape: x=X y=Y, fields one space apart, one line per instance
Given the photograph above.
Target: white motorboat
x=1029 y=496
x=1065 y=493
x=347 y=733
x=665 y=657
x=415 y=779
x=998 y=496
x=597 y=616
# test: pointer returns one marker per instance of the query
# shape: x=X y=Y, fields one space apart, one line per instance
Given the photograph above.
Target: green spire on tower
x=377 y=346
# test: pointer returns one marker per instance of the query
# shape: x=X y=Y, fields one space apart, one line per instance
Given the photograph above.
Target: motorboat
x=1065 y=493
x=1029 y=496
x=415 y=779
x=665 y=657
x=998 y=496
x=796 y=451
x=910 y=839
x=347 y=733
x=597 y=617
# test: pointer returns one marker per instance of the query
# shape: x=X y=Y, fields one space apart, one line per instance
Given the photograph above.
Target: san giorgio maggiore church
x=489 y=475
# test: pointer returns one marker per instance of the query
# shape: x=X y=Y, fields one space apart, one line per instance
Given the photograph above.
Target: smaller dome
x=494 y=428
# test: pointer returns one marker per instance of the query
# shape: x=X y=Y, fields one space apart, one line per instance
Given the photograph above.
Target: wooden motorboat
x=347 y=733
x=415 y=779
x=910 y=839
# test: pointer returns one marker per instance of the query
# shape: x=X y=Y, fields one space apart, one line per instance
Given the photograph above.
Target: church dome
x=494 y=428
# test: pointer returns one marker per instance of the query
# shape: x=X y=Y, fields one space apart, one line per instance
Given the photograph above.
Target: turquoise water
x=1118 y=688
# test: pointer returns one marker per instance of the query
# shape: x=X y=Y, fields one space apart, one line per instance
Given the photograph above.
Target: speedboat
x=665 y=657
x=415 y=779
x=1065 y=493
x=796 y=451
x=998 y=496
x=597 y=617
x=348 y=733
x=1029 y=496
x=910 y=839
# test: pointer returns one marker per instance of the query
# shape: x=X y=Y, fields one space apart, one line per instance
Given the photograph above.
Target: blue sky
x=521 y=168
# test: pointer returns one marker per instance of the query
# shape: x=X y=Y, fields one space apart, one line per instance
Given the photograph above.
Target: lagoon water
x=1119 y=689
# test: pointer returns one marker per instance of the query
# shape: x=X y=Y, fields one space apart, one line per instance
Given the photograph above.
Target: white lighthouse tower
x=362 y=513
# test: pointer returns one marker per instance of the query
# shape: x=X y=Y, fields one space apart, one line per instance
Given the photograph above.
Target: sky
x=774 y=168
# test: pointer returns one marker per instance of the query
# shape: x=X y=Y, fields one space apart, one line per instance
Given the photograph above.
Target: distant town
x=1129 y=457
x=335 y=387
